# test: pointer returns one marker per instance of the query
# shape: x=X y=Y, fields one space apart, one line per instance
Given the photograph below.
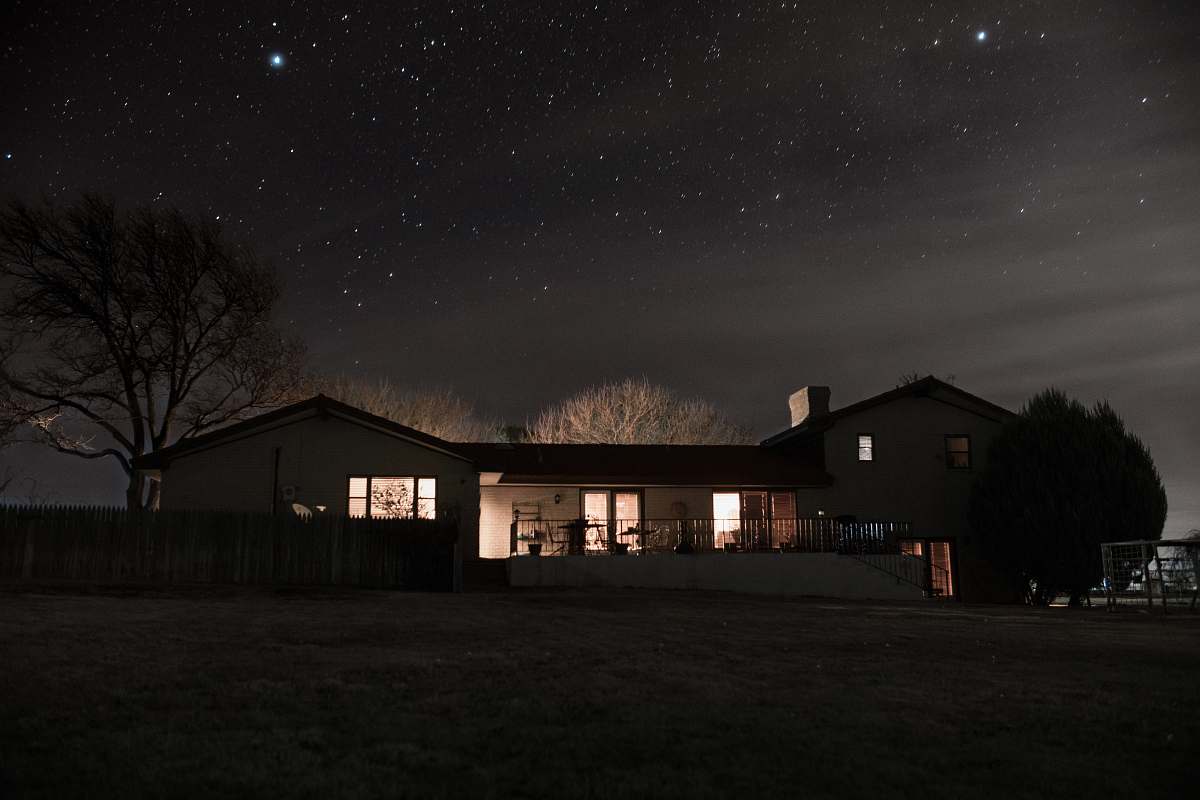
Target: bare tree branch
x=137 y=328
x=437 y=411
x=634 y=412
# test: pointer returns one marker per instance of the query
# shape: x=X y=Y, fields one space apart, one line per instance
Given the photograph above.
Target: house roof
x=928 y=386
x=652 y=465
x=319 y=404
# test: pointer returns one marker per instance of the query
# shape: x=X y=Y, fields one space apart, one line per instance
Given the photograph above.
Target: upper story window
x=866 y=447
x=386 y=496
x=958 y=451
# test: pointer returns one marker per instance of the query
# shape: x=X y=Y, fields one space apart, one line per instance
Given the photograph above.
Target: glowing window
x=958 y=452
x=388 y=496
x=727 y=518
x=727 y=506
x=358 y=497
x=626 y=505
x=595 y=506
x=941 y=568
x=427 y=498
x=866 y=447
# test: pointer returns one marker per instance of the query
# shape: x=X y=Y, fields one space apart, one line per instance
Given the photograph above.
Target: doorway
x=938 y=555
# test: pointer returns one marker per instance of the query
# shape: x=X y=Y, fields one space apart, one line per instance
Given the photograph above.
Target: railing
x=796 y=534
x=919 y=571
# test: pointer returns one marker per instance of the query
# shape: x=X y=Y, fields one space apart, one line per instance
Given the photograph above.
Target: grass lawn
x=316 y=693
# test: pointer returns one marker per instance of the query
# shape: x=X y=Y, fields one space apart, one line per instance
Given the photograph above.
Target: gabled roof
x=319 y=404
x=928 y=386
x=647 y=465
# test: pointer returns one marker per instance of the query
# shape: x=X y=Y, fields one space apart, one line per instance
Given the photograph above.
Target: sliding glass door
x=611 y=516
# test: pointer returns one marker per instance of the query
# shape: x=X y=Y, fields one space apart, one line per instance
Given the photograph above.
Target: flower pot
x=535 y=548
x=731 y=547
x=620 y=548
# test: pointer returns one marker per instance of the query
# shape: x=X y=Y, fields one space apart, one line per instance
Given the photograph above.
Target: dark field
x=224 y=692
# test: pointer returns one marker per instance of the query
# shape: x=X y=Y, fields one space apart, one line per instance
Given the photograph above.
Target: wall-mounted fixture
x=558 y=498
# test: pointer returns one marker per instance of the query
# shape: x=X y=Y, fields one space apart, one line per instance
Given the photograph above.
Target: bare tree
x=120 y=333
x=635 y=412
x=437 y=411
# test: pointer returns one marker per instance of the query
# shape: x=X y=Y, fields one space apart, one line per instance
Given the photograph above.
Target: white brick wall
x=496 y=512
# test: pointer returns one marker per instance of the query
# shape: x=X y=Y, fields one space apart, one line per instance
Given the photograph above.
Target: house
x=886 y=479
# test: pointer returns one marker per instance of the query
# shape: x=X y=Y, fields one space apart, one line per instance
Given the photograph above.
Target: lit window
x=427 y=498
x=727 y=518
x=626 y=505
x=383 y=497
x=866 y=447
x=358 y=497
x=958 y=452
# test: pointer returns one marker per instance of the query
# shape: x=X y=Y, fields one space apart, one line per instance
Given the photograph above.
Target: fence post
x=1146 y=577
x=27 y=564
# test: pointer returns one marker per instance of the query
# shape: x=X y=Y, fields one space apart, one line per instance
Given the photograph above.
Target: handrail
x=919 y=571
x=790 y=534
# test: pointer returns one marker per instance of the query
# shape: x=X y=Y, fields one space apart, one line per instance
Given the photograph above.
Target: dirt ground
x=126 y=692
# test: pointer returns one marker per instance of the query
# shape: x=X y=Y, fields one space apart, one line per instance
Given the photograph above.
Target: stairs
x=912 y=570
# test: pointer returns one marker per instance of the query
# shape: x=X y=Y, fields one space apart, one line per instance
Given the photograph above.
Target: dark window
x=866 y=447
x=958 y=452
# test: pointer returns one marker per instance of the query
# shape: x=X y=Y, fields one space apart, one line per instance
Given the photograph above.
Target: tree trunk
x=134 y=492
x=152 y=495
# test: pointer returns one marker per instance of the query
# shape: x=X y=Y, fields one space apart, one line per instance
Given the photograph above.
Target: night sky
x=736 y=199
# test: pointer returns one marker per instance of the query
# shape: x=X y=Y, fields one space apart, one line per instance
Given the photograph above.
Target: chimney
x=809 y=403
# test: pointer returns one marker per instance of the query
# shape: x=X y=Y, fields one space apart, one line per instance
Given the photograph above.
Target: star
x=277 y=61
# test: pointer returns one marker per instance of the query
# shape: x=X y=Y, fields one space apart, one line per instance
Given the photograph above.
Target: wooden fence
x=114 y=544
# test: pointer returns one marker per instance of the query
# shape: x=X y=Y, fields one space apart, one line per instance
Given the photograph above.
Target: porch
x=835 y=554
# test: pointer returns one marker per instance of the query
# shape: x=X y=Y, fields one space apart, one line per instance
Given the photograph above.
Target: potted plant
x=535 y=548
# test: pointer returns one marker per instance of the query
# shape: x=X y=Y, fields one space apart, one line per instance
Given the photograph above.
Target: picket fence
x=117 y=545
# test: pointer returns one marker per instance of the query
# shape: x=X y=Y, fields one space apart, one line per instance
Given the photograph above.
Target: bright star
x=981 y=36
x=277 y=61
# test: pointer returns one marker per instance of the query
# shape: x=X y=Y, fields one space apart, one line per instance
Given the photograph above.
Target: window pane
x=358 y=487
x=595 y=506
x=866 y=447
x=392 y=497
x=358 y=507
x=958 y=452
x=426 y=508
x=783 y=519
x=941 y=567
x=727 y=506
x=427 y=498
x=727 y=518
x=627 y=508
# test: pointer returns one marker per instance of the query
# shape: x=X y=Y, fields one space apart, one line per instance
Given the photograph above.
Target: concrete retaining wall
x=798 y=574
